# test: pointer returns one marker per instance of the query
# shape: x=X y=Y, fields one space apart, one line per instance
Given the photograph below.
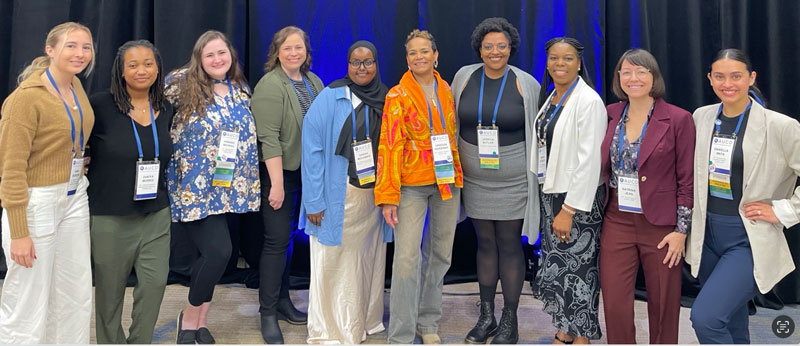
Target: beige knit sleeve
x=17 y=130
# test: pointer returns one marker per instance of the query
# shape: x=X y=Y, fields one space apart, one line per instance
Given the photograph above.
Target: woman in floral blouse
x=214 y=169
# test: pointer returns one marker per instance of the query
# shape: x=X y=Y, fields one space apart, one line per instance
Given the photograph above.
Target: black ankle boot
x=507 y=332
x=486 y=326
x=270 y=330
x=287 y=312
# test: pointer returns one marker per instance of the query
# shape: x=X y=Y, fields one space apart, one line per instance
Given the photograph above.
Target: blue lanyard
x=71 y=120
x=353 y=113
x=496 y=104
x=308 y=87
x=231 y=108
x=438 y=104
x=558 y=106
x=622 y=135
x=155 y=134
x=718 y=122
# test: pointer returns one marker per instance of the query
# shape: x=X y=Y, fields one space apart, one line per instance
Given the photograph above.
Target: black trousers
x=279 y=226
x=210 y=237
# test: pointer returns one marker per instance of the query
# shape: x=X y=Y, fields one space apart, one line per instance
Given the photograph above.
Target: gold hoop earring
x=436 y=64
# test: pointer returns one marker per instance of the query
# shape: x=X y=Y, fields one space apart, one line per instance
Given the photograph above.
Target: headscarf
x=372 y=94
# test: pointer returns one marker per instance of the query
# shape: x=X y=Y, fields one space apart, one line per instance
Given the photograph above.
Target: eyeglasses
x=500 y=46
x=366 y=62
x=639 y=72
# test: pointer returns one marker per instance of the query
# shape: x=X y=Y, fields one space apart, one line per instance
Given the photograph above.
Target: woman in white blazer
x=744 y=195
x=570 y=127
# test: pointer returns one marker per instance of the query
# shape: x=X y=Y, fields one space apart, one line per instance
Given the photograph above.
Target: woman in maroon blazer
x=648 y=152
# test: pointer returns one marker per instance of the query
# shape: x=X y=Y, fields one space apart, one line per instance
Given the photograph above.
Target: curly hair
x=278 y=39
x=119 y=87
x=495 y=24
x=421 y=34
x=196 y=90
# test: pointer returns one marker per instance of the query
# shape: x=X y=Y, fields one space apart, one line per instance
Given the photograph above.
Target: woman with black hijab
x=347 y=231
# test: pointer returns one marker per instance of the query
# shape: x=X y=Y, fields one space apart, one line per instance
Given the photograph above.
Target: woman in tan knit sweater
x=47 y=294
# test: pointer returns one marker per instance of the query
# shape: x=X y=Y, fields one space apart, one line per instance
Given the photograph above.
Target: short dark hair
x=643 y=58
x=495 y=24
x=119 y=89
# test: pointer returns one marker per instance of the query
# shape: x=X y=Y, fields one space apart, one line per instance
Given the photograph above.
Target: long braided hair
x=548 y=81
x=119 y=88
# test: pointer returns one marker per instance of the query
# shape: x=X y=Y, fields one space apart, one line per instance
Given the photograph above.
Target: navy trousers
x=719 y=314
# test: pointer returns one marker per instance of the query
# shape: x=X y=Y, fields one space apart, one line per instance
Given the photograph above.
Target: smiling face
x=731 y=81
x=140 y=69
x=216 y=58
x=361 y=74
x=636 y=81
x=72 y=53
x=420 y=55
x=563 y=63
x=292 y=53
x=495 y=50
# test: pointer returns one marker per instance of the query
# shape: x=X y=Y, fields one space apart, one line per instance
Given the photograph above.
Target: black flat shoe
x=287 y=312
x=184 y=337
x=204 y=337
x=486 y=325
x=270 y=330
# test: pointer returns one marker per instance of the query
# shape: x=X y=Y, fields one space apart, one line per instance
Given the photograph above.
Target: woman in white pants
x=46 y=121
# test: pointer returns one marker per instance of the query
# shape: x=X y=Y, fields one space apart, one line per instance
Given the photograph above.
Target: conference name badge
x=442 y=159
x=628 y=196
x=365 y=162
x=226 y=159
x=146 y=180
x=488 y=147
x=75 y=173
x=719 y=166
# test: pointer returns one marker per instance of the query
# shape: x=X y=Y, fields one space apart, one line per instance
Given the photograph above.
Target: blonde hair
x=421 y=34
x=57 y=35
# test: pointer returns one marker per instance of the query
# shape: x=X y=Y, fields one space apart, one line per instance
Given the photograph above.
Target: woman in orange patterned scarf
x=418 y=170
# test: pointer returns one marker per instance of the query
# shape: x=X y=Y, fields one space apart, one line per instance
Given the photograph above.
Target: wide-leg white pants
x=51 y=302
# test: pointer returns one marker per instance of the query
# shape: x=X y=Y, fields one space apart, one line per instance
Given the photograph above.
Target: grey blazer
x=279 y=118
x=530 y=98
x=771 y=150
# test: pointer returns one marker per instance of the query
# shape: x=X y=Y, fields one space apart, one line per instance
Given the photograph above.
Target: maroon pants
x=628 y=240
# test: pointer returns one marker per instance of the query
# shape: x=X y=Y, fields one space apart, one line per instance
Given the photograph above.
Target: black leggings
x=278 y=230
x=210 y=237
x=500 y=256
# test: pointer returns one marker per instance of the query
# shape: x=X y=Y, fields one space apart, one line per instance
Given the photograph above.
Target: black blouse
x=510 y=112
x=726 y=206
x=113 y=152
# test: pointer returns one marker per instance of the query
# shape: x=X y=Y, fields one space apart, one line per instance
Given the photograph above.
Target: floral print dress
x=191 y=170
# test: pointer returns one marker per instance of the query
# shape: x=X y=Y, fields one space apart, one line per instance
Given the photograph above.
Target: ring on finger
x=759 y=212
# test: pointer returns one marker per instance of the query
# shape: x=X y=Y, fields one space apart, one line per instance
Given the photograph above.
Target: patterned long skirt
x=568 y=282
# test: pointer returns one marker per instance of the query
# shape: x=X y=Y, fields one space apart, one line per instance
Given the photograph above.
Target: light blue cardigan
x=325 y=173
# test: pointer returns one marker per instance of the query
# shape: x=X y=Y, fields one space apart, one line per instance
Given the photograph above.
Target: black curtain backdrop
x=682 y=34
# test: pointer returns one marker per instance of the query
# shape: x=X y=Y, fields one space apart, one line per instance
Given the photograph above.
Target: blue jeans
x=415 y=302
x=719 y=314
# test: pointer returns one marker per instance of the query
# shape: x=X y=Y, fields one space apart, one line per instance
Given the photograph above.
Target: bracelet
x=568 y=210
